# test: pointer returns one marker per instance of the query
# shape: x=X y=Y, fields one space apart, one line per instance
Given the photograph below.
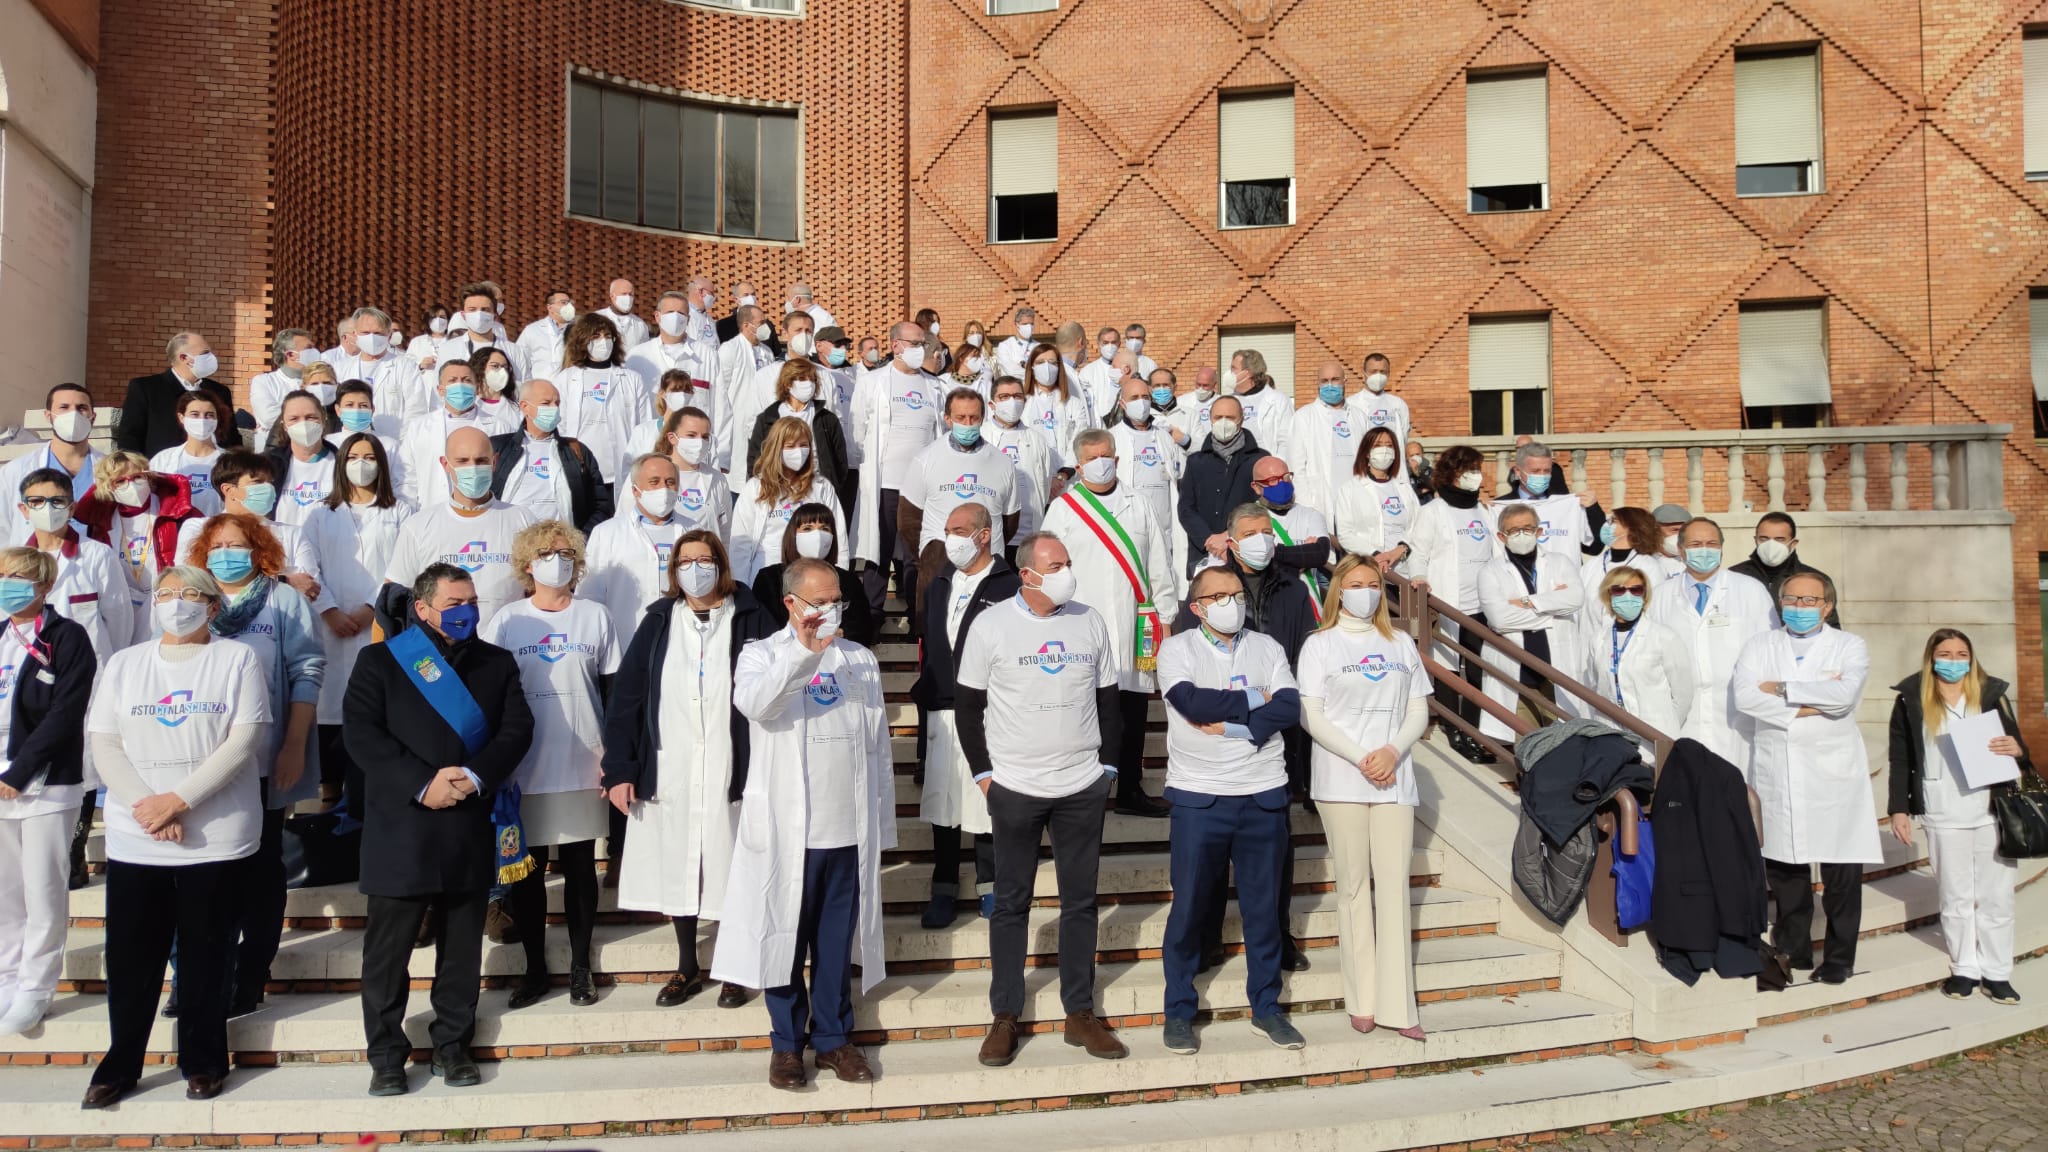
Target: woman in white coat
x=785 y=476
x=1055 y=404
x=1635 y=661
x=1376 y=505
x=1453 y=541
x=603 y=401
x=1801 y=686
x=1533 y=598
x=1618 y=538
x=675 y=761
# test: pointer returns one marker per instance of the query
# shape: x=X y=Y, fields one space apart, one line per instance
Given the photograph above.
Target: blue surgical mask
x=1280 y=492
x=460 y=397
x=356 y=419
x=473 y=481
x=231 y=565
x=1626 y=605
x=1702 y=560
x=967 y=435
x=1607 y=535
x=1162 y=397
x=1331 y=393
x=259 y=498
x=1949 y=670
x=1537 y=485
x=1800 y=621
x=547 y=416
x=836 y=357
x=17 y=594
x=459 y=622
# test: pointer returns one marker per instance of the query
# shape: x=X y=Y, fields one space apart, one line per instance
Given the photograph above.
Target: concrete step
x=732 y=1085
x=923 y=1006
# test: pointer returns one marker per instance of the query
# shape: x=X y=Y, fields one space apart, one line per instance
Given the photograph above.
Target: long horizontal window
x=657 y=162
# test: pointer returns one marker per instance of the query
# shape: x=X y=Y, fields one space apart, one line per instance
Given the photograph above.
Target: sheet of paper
x=1981 y=766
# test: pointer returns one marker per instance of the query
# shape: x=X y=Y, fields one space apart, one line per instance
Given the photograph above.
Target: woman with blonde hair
x=1974 y=883
x=1636 y=662
x=566 y=650
x=797 y=394
x=1365 y=703
x=1055 y=405
x=785 y=475
x=137 y=513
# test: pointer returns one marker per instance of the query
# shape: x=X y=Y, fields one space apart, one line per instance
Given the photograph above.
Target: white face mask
x=1376 y=381
x=1046 y=373
x=762 y=332
x=1225 y=427
x=131 y=493
x=600 y=349
x=479 y=320
x=497 y=378
x=1100 y=470
x=553 y=571
x=974 y=338
x=306 y=433
x=1256 y=551
x=361 y=472
x=1108 y=351
x=200 y=427
x=565 y=312
x=622 y=304
x=181 y=617
x=814 y=543
x=1381 y=458
x=673 y=324
x=438 y=325
x=72 y=427
x=324 y=393
x=1135 y=343
x=696 y=580
x=204 y=365
x=48 y=519
x=913 y=357
x=1521 y=543
x=1226 y=618
x=1138 y=411
x=1229 y=381
x=1009 y=409
x=1470 y=481
x=961 y=550
x=1203 y=395
x=1058 y=587
x=974 y=366
x=1773 y=552
x=657 y=502
x=675 y=401
x=372 y=344
x=802 y=344
x=1024 y=331
x=748 y=300
x=794 y=459
x=1361 y=602
x=690 y=449
x=802 y=391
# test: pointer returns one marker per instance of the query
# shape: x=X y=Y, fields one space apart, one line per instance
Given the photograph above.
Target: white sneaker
x=25 y=1013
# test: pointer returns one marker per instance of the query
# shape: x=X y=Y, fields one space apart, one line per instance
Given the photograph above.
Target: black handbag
x=2021 y=812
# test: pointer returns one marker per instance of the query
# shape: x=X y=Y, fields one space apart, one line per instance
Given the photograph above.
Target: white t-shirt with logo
x=306 y=485
x=1397 y=504
x=170 y=718
x=537 y=484
x=834 y=737
x=1562 y=525
x=1365 y=681
x=1473 y=529
x=480 y=545
x=1224 y=765
x=197 y=471
x=1041 y=674
x=703 y=500
x=561 y=655
x=913 y=422
x=943 y=478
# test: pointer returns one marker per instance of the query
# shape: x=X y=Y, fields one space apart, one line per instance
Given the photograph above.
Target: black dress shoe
x=203 y=1086
x=1212 y=958
x=678 y=989
x=459 y=1073
x=170 y=1010
x=389 y=1082
x=527 y=994
x=582 y=992
x=245 y=1001
x=1830 y=974
x=732 y=996
x=1143 y=805
x=104 y=1095
x=1291 y=957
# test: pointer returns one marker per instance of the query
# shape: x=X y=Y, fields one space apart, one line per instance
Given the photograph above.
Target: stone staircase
x=1531 y=1028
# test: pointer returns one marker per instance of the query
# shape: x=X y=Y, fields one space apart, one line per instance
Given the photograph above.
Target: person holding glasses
x=1636 y=662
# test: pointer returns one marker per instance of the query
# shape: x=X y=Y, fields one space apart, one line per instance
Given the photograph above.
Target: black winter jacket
x=1210 y=486
x=47 y=738
x=936 y=669
x=1710 y=861
x=590 y=497
x=632 y=722
x=1908 y=731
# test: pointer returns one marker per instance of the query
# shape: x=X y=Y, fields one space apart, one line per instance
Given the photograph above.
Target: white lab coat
x=1031 y=450
x=540 y=349
x=1656 y=566
x=1655 y=680
x=353 y=557
x=419 y=477
x=1738 y=610
x=624 y=570
x=1269 y=414
x=737 y=363
x=1811 y=773
x=764 y=896
x=870 y=426
x=1360 y=522
x=92 y=591
x=603 y=425
x=1102 y=585
x=1320 y=467
x=398 y=389
x=755 y=541
x=1559 y=601
x=631 y=328
x=1165 y=503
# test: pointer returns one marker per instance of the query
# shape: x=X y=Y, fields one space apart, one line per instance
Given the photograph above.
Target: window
x=1777 y=124
x=1509 y=373
x=2037 y=321
x=638 y=158
x=750 y=5
x=2034 y=50
x=1255 y=160
x=1275 y=344
x=1785 y=365
x=1507 y=142
x=1017 y=7
x=1023 y=177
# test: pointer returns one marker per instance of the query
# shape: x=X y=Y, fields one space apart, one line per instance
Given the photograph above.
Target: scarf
x=242 y=610
x=1457 y=497
x=1227 y=448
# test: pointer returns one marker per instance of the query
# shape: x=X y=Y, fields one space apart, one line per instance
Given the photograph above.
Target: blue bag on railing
x=1633 y=878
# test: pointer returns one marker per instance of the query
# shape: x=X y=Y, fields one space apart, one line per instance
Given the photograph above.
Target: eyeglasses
x=1627 y=590
x=1800 y=601
x=188 y=595
x=821 y=604
x=705 y=565
x=1214 y=599
x=556 y=554
x=1284 y=477
x=37 y=503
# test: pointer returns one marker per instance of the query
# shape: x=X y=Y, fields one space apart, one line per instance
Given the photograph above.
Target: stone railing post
x=1656 y=477
x=1774 y=482
x=1939 y=452
x=1816 y=478
x=1898 y=476
x=1617 y=476
x=1736 y=478
x=1696 y=480
x=1859 y=481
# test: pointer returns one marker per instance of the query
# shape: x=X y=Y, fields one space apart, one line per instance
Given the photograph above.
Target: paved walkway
x=1989 y=1101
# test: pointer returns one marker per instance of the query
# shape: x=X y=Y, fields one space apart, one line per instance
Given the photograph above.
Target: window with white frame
x=1275 y=344
x=1785 y=365
x=1507 y=141
x=1508 y=370
x=1777 y=123
x=1255 y=159
x=1023 y=177
x=2037 y=323
x=659 y=162
x=1019 y=7
x=782 y=6
x=2034 y=79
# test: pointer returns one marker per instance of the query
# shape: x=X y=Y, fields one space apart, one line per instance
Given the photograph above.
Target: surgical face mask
x=372 y=344
x=1381 y=458
x=802 y=391
x=600 y=349
x=230 y=565
x=814 y=543
x=1537 y=485
x=356 y=419
x=131 y=493
x=1256 y=551
x=961 y=550
x=1225 y=617
x=1100 y=470
x=1330 y=392
x=1058 y=587
x=1279 y=493
x=675 y=401
x=794 y=459
x=871 y=357
x=1950 y=671
x=1137 y=410
x=1470 y=481
x=438 y=325
x=181 y=617
x=673 y=324
x=1626 y=605
x=974 y=338
x=461 y=396
x=836 y=357
x=966 y=435
x=1162 y=396
x=547 y=416
x=1521 y=543
x=17 y=594
x=48 y=519
x=802 y=344
x=473 y=481
x=459 y=623
x=696 y=580
x=1800 y=621
x=1773 y=552
x=200 y=427
x=205 y=364
x=1376 y=381
x=1024 y=331
x=657 y=502
x=72 y=427
x=690 y=449
x=622 y=304
x=1108 y=351
x=479 y=320
x=1607 y=535
x=1046 y=373
x=361 y=472
x=1360 y=602
x=1702 y=560
x=306 y=433
x=553 y=571
x=762 y=332
x=1225 y=427
x=913 y=357
x=565 y=312
x=1010 y=409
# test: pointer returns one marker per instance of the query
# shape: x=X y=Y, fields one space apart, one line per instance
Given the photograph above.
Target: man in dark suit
x=950 y=799
x=728 y=325
x=431 y=762
x=530 y=459
x=149 y=416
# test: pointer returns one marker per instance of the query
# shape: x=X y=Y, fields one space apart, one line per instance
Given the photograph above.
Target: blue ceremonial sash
x=430 y=672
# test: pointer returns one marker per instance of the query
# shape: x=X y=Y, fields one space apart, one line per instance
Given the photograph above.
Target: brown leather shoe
x=1086 y=1030
x=105 y=1095
x=786 y=1070
x=204 y=1087
x=1000 y=1046
x=847 y=1063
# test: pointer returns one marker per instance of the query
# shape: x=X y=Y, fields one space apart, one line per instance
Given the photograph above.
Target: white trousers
x=35 y=902
x=1371 y=846
x=1975 y=886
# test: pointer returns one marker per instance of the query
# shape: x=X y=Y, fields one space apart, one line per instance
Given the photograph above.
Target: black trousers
x=579 y=904
x=458 y=966
x=262 y=908
x=1841 y=899
x=1130 y=748
x=1218 y=904
x=149 y=905
x=1470 y=671
x=874 y=579
x=1020 y=821
x=335 y=764
x=946 y=859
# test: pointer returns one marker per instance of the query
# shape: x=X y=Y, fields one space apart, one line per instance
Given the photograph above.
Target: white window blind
x=1508 y=353
x=1256 y=137
x=2035 y=52
x=1507 y=130
x=2037 y=315
x=1777 y=109
x=1275 y=344
x=1014 y=7
x=1784 y=355
x=1023 y=154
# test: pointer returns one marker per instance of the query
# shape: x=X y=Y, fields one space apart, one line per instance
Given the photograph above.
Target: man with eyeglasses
x=1533 y=597
x=1800 y=686
x=1716 y=613
x=1776 y=557
x=1230 y=694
